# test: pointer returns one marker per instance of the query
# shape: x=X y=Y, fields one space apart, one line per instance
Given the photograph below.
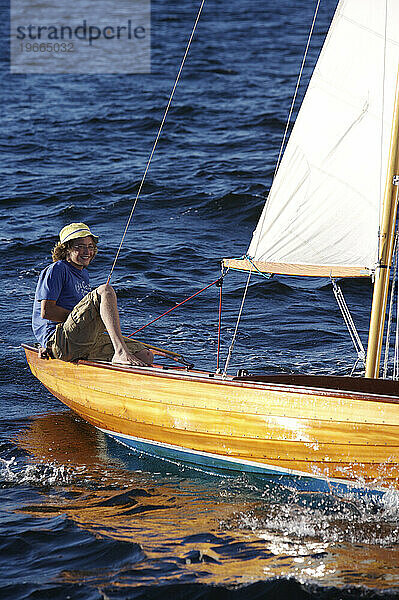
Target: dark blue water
x=80 y=516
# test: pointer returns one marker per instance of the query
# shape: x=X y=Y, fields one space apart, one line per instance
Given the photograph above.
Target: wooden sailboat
x=329 y=214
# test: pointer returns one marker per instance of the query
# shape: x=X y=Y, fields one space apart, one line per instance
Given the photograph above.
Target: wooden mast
x=381 y=284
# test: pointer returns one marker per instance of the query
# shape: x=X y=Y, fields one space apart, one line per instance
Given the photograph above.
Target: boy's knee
x=106 y=289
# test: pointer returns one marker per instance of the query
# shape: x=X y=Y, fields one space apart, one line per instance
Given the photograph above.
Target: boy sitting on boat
x=68 y=318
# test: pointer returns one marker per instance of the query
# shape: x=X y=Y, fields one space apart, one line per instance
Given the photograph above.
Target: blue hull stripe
x=197 y=459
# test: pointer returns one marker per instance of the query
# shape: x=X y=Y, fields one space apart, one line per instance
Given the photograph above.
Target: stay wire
x=219 y=321
x=382 y=116
x=287 y=125
x=156 y=139
x=395 y=375
x=357 y=342
x=296 y=89
x=390 y=312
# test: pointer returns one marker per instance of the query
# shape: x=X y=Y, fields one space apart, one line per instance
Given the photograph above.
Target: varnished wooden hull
x=323 y=437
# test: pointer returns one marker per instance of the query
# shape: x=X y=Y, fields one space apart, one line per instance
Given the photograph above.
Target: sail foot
x=244 y=264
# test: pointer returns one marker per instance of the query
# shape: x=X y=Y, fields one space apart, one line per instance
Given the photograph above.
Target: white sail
x=322 y=216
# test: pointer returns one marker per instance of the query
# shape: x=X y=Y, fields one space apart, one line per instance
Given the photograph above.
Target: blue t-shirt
x=65 y=284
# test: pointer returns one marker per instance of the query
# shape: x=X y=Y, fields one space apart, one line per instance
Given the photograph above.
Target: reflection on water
x=164 y=521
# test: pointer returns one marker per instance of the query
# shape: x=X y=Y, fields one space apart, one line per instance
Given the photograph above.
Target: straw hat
x=75 y=230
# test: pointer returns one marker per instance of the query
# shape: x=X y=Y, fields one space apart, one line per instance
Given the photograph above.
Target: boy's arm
x=51 y=311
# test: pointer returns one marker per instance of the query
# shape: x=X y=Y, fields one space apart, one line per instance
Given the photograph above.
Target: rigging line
x=357 y=342
x=396 y=358
x=237 y=324
x=157 y=138
x=396 y=350
x=296 y=89
x=259 y=227
x=177 y=306
x=265 y=275
x=219 y=322
x=382 y=115
x=390 y=313
x=354 y=367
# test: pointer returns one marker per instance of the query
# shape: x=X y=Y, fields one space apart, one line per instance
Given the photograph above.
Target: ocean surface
x=81 y=516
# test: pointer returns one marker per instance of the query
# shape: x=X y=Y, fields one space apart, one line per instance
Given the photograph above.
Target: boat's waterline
x=226 y=465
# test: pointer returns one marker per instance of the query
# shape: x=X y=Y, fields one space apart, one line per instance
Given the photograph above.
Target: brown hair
x=60 y=251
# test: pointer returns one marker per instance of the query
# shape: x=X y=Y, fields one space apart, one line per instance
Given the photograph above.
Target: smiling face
x=81 y=252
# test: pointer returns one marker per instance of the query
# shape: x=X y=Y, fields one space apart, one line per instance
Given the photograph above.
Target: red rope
x=173 y=308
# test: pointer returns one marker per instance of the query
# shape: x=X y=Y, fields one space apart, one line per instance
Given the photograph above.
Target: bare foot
x=43 y=353
x=125 y=358
x=146 y=356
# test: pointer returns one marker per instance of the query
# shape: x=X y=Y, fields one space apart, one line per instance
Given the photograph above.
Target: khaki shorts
x=82 y=335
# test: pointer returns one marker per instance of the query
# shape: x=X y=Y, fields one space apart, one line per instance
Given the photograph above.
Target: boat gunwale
x=208 y=377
